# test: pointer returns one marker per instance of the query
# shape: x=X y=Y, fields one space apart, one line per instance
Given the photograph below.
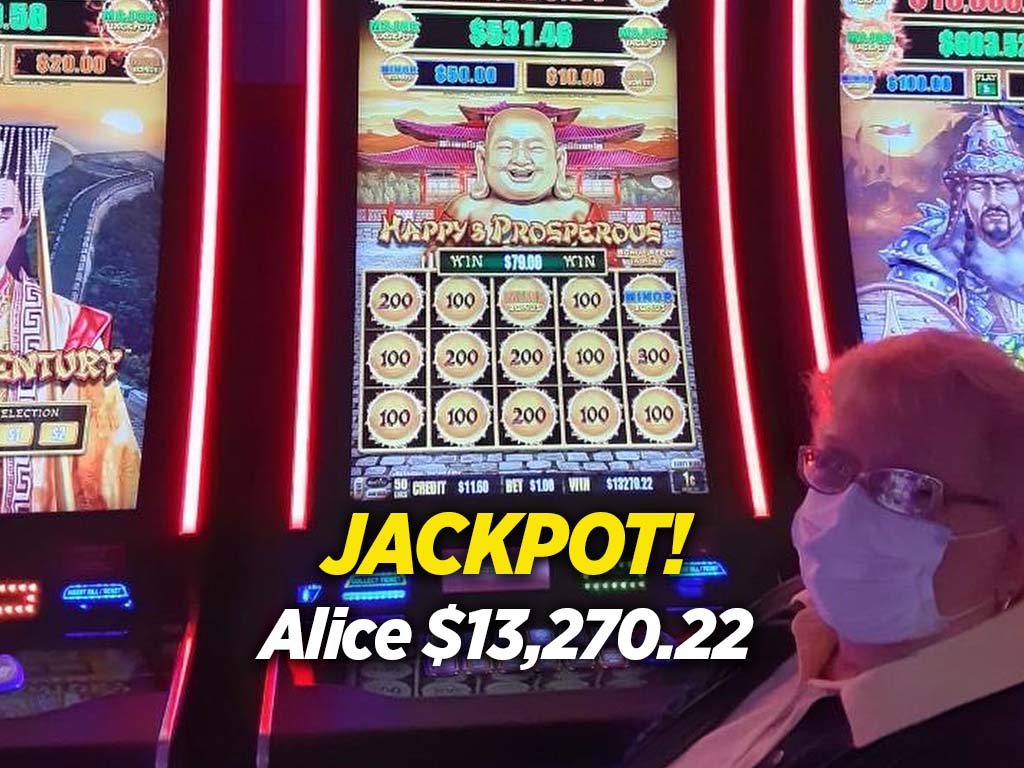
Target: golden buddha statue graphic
x=521 y=172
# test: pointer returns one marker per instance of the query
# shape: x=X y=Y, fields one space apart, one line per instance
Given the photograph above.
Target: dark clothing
x=987 y=733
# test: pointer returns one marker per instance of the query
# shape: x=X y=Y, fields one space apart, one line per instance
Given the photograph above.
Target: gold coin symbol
x=589 y=357
x=462 y=417
x=460 y=301
x=524 y=301
x=529 y=416
x=394 y=418
x=594 y=415
x=395 y=358
x=649 y=300
x=659 y=414
x=526 y=357
x=587 y=301
x=461 y=357
x=653 y=356
x=396 y=301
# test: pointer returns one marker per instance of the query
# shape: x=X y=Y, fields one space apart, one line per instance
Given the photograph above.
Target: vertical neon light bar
x=307 y=308
x=199 y=397
x=805 y=191
x=737 y=344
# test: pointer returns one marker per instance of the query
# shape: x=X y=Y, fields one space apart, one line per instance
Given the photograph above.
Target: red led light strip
x=19 y=600
x=805 y=191
x=734 y=313
x=299 y=515
x=179 y=679
x=199 y=397
x=267 y=713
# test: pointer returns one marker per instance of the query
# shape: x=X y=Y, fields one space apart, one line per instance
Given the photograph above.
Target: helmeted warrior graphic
x=961 y=265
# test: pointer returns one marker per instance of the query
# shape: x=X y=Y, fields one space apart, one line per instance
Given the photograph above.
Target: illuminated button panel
x=42 y=428
x=19 y=600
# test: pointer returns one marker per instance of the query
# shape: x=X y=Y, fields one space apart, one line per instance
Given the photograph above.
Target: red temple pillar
x=618 y=188
x=461 y=173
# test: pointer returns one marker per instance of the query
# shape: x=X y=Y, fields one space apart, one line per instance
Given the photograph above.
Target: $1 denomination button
x=649 y=300
x=526 y=357
x=659 y=414
x=594 y=415
x=461 y=357
x=589 y=357
x=529 y=416
x=460 y=301
x=462 y=417
x=395 y=358
x=396 y=301
x=653 y=356
x=587 y=301
x=524 y=301
x=394 y=418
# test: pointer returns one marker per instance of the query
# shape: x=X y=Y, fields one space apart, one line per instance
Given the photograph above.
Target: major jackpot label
x=521 y=304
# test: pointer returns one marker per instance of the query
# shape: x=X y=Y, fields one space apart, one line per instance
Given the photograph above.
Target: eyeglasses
x=903 y=491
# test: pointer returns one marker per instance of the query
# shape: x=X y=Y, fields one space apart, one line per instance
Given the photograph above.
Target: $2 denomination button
x=589 y=357
x=653 y=356
x=396 y=301
x=526 y=357
x=659 y=414
x=587 y=301
x=649 y=300
x=395 y=358
x=594 y=415
x=524 y=301
x=461 y=357
x=462 y=417
x=395 y=418
x=460 y=301
x=529 y=416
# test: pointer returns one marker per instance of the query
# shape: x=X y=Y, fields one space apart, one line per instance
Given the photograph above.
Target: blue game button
x=12 y=674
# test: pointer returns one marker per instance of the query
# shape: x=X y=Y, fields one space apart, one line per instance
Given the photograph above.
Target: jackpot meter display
x=932 y=119
x=82 y=121
x=521 y=309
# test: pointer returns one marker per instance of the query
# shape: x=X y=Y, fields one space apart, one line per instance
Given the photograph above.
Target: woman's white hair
x=931 y=376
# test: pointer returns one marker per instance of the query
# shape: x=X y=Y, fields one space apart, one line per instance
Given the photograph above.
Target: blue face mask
x=870 y=571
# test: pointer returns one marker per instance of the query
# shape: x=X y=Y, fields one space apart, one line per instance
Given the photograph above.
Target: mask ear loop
x=978 y=534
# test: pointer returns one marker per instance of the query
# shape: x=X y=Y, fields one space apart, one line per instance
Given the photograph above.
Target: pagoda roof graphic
x=474 y=130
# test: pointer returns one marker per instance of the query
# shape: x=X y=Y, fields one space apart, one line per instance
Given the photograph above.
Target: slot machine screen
x=932 y=99
x=521 y=306
x=82 y=121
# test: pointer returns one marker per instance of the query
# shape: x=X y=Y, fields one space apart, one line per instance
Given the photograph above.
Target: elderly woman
x=909 y=646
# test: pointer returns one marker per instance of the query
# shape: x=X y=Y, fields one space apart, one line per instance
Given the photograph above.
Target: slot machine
x=519 y=283
x=108 y=159
x=912 y=208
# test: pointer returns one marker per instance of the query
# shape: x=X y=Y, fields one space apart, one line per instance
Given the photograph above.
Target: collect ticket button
x=17 y=435
x=58 y=433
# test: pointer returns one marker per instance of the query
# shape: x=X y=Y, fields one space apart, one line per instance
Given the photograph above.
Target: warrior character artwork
x=961 y=264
